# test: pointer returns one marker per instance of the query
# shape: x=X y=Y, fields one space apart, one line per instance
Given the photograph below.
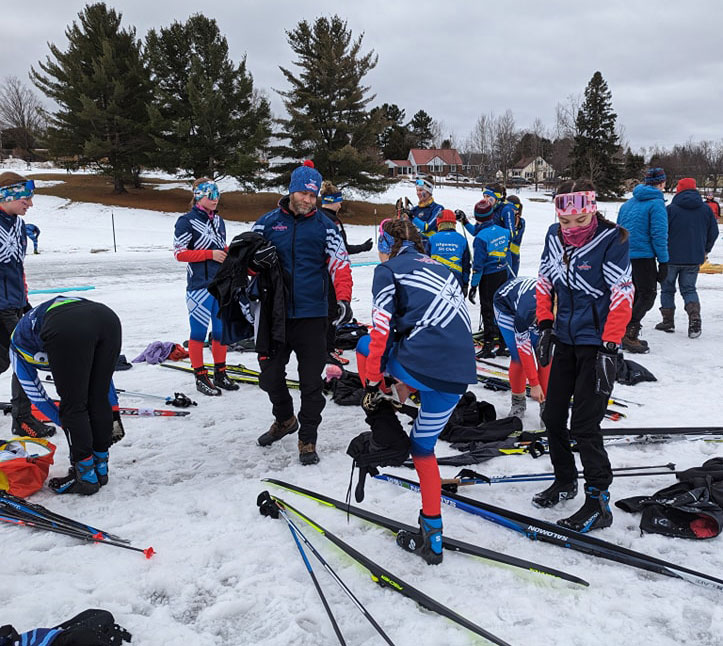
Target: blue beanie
x=654 y=176
x=305 y=178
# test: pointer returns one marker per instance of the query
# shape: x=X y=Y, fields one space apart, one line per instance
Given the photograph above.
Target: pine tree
x=212 y=122
x=103 y=92
x=596 y=151
x=326 y=105
x=395 y=140
x=634 y=165
x=421 y=126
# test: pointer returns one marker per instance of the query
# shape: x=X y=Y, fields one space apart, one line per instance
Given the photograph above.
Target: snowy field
x=223 y=575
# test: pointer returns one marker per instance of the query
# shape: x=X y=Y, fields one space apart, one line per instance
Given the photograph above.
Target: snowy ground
x=223 y=575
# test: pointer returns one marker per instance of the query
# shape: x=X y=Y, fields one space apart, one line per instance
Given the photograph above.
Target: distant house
x=434 y=161
x=534 y=169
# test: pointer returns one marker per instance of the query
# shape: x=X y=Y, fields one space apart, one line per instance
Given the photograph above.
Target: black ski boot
x=487 y=351
x=427 y=542
x=555 y=493
x=31 y=427
x=204 y=385
x=278 y=430
x=81 y=479
x=594 y=514
x=307 y=453
x=221 y=379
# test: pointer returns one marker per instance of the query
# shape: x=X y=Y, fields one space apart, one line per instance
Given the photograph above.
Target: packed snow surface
x=224 y=575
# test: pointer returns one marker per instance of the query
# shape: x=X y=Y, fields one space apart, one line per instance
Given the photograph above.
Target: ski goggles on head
x=207 y=189
x=20 y=191
x=575 y=203
x=424 y=184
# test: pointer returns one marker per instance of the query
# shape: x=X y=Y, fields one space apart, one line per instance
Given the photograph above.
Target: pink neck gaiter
x=578 y=236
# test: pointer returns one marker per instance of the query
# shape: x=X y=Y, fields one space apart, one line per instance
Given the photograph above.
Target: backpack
x=348 y=335
x=89 y=628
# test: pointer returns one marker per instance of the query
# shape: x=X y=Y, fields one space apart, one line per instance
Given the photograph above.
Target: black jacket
x=334 y=217
x=236 y=294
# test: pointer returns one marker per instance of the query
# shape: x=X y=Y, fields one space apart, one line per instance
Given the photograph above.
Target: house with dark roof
x=533 y=168
x=422 y=161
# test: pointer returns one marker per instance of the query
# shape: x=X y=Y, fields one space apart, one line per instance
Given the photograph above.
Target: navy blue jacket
x=425 y=217
x=451 y=249
x=692 y=229
x=311 y=250
x=592 y=285
x=644 y=216
x=13 y=245
x=419 y=308
x=196 y=231
x=491 y=248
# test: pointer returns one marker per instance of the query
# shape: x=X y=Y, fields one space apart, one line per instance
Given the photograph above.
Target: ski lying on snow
x=6 y=408
x=664 y=430
x=550 y=533
x=385 y=578
x=233 y=376
x=449 y=543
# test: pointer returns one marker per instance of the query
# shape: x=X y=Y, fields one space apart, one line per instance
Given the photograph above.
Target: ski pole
x=450 y=484
x=263 y=497
x=265 y=508
x=470 y=473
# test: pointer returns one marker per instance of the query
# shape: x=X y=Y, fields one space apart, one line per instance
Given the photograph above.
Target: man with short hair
x=311 y=251
x=16 y=197
x=645 y=218
x=692 y=232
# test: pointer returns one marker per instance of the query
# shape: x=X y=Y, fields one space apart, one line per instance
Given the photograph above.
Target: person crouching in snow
x=79 y=342
x=419 y=317
x=516 y=316
x=585 y=270
x=451 y=249
x=200 y=240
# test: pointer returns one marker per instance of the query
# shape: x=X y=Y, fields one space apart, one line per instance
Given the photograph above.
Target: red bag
x=23 y=476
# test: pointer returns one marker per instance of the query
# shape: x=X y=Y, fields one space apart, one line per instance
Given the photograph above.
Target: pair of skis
x=17 y=511
x=541 y=530
x=6 y=408
x=235 y=372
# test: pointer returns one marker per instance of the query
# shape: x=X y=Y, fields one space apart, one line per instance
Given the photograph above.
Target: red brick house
x=433 y=161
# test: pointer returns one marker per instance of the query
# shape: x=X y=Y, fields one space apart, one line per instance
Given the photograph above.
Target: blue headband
x=332 y=198
x=207 y=189
x=20 y=191
x=386 y=242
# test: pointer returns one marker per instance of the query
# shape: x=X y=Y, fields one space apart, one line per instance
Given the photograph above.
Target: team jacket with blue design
x=418 y=307
x=13 y=243
x=27 y=353
x=424 y=217
x=311 y=250
x=592 y=285
x=503 y=216
x=491 y=246
x=450 y=248
x=516 y=311
x=197 y=235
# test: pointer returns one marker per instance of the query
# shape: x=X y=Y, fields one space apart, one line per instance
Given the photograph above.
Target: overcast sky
x=457 y=59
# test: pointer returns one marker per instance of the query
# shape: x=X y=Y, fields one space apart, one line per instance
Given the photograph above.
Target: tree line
x=176 y=101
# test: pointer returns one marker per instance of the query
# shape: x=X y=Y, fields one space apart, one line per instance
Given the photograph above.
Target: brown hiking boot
x=695 y=324
x=631 y=342
x=279 y=430
x=668 y=322
x=307 y=453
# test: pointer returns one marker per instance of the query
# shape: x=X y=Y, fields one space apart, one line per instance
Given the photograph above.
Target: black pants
x=83 y=341
x=489 y=284
x=331 y=316
x=645 y=279
x=20 y=402
x=573 y=374
x=307 y=339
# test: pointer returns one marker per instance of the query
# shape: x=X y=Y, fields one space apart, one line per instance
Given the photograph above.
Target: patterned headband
x=207 y=189
x=19 y=191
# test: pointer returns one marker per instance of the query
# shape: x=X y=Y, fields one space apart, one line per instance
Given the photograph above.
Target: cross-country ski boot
x=31 y=427
x=594 y=514
x=428 y=542
x=279 y=430
x=204 y=385
x=555 y=493
x=100 y=461
x=487 y=351
x=221 y=379
x=81 y=479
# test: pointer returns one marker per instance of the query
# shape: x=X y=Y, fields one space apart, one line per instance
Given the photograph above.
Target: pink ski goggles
x=575 y=203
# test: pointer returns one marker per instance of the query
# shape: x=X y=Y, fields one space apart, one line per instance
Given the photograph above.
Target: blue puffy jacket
x=197 y=231
x=491 y=249
x=425 y=217
x=13 y=245
x=451 y=249
x=645 y=218
x=311 y=250
x=692 y=229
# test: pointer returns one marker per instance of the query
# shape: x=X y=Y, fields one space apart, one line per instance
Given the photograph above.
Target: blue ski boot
x=428 y=542
x=81 y=479
x=594 y=514
x=100 y=460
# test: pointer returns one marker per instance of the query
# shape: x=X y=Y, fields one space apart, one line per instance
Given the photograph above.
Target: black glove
x=460 y=215
x=264 y=258
x=343 y=313
x=372 y=396
x=27 y=307
x=472 y=292
x=118 y=432
x=662 y=271
x=366 y=246
x=465 y=290
x=544 y=347
x=605 y=370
